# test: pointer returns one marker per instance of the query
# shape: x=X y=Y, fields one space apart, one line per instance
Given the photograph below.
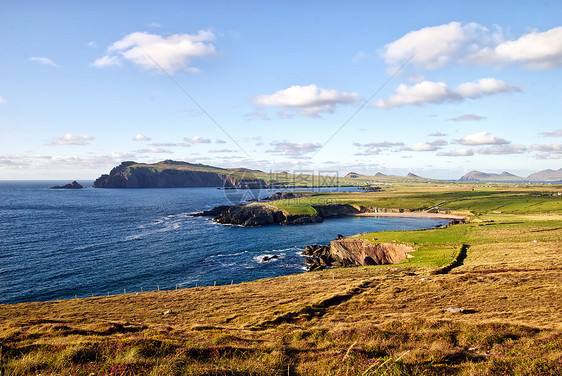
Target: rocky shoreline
x=346 y=252
x=263 y=214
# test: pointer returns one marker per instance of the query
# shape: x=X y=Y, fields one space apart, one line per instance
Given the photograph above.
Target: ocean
x=61 y=244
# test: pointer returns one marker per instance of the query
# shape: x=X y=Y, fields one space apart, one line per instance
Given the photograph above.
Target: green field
x=496 y=309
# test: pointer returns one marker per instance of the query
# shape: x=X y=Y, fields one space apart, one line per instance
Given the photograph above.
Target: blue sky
x=392 y=87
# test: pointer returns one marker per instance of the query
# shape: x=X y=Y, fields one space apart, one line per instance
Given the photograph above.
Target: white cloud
x=69 y=139
x=222 y=151
x=426 y=146
x=463 y=152
x=2 y=100
x=219 y=141
x=502 y=149
x=468 y=117
x=432 y=47
x=536 y=50
x=484 y=86
x=423 y=92
x=197 y=140
x=44 y=61
x=556 y=133
x=172 y=53
x=438 y=92
x=436 y=46
x=548 y=151
x=293 y=149
x=107 y=61
x=307 y=100
x=140 y=137
x=482 y=138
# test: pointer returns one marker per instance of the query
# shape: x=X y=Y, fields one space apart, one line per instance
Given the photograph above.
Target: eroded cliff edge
x=172 y=174
x=345 y=252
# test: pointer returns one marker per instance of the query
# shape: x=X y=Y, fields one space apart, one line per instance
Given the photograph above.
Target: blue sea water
x=58 y=244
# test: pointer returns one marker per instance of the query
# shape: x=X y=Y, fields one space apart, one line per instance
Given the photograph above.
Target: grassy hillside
x=476 y=199
x=505 y=274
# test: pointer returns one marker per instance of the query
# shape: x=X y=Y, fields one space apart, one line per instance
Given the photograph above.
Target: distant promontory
x=173 y=174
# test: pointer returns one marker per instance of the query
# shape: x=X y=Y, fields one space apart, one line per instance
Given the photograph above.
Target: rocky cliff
x=344 y=252
x=169 y=174
x=260 y=214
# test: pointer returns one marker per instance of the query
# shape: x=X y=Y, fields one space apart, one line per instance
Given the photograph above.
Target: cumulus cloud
x=556 y=133
x=548 y=151
x=432 y=47
x=69 y=139
x=44 y=162
x=44 y=61
x=307 y=100
x=172 y=53
x=293 y=149
x=197 y=140
x=468 y=117
x=222 y=151
x=462 y=152
x=376 y=147
x=426 y=146
x=482 y=138
x=438 y=92
x=536 y=50
x=219 y=141
x=436 y=46
x=502 y=149
x=140 y=137
x=164 y=144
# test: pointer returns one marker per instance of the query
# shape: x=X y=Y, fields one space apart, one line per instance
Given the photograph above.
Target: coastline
x=412 y=215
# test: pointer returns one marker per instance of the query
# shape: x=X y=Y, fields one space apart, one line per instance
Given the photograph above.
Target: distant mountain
x=484 y=176
x=547 y=175
x=410 y=175
x=353 y=175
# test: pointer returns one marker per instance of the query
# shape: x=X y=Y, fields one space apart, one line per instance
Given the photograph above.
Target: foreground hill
x=480 y=298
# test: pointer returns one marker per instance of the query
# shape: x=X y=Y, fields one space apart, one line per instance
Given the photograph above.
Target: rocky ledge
x=73 y=185
x=260 y=214
x=256 y=215
x=345 y=252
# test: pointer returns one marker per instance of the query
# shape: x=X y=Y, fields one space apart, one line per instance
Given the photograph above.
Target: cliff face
x=132 y=175
x=344 y=252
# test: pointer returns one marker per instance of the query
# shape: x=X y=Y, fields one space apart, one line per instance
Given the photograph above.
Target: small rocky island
x=73 y=185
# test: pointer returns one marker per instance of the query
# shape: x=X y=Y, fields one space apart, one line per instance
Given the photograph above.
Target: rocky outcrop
x=73 y=185
x=344 y=252
x=170 y=174
x=256 y=215
x=260 y=214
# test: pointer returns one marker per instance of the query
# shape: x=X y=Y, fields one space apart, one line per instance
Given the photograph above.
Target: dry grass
x=389 y=320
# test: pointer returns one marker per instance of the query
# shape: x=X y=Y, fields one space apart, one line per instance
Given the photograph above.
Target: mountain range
x=544 y=175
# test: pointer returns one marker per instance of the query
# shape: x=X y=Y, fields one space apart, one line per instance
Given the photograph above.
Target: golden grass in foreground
x=389 y=320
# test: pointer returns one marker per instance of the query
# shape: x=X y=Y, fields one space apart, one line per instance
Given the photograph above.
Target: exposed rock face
x=133 y=175
x=260 y=214
x=344 y=252
x=73 y=185
x=257 y=215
